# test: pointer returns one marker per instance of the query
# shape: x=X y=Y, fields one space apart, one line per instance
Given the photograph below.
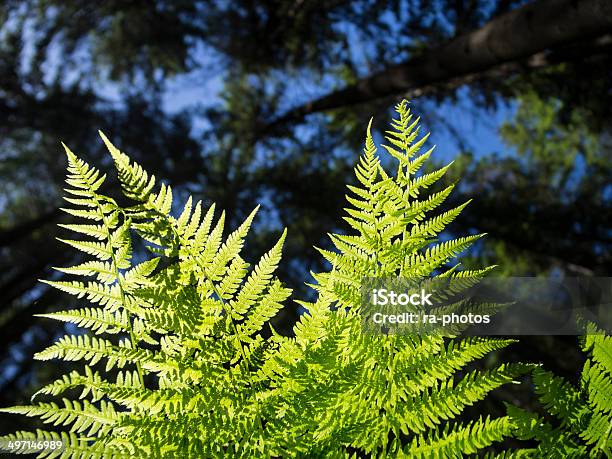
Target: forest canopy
x=265 y=101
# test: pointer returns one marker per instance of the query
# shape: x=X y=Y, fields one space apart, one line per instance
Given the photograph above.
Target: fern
x=369 y=393
x=583 y=415
x=176 y=359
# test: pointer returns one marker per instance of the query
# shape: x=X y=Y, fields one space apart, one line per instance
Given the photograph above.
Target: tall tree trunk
x=512 y=37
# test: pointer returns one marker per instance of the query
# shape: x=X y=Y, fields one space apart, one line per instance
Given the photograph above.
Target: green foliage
x=180 y=359
x=540 y=132
x=582 y=416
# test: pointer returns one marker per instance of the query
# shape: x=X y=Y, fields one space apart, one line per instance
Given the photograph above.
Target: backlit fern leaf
x=370 y=393
x=583 y=415
x=96 y=319
x=185 y=364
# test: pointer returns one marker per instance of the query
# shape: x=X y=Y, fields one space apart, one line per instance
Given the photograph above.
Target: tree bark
x=512 y=37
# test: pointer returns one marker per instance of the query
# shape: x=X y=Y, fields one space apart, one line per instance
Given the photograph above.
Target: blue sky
x=479 y=129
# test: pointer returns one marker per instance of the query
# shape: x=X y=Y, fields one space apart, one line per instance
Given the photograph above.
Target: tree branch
x=512 y=37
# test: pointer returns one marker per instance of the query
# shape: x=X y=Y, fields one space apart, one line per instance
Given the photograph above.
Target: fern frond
x=584 y=414
x=83 y=417
x=92 y=349
x=257 y=280
x=73 y=446
x=96 y=319
x=193 y=367
x=96 y=231
x=103 y=270
x=105 y=295
x=102 y=251
x=229 y=250
x=135 y=181
x=387 y=388
x=460 y=439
